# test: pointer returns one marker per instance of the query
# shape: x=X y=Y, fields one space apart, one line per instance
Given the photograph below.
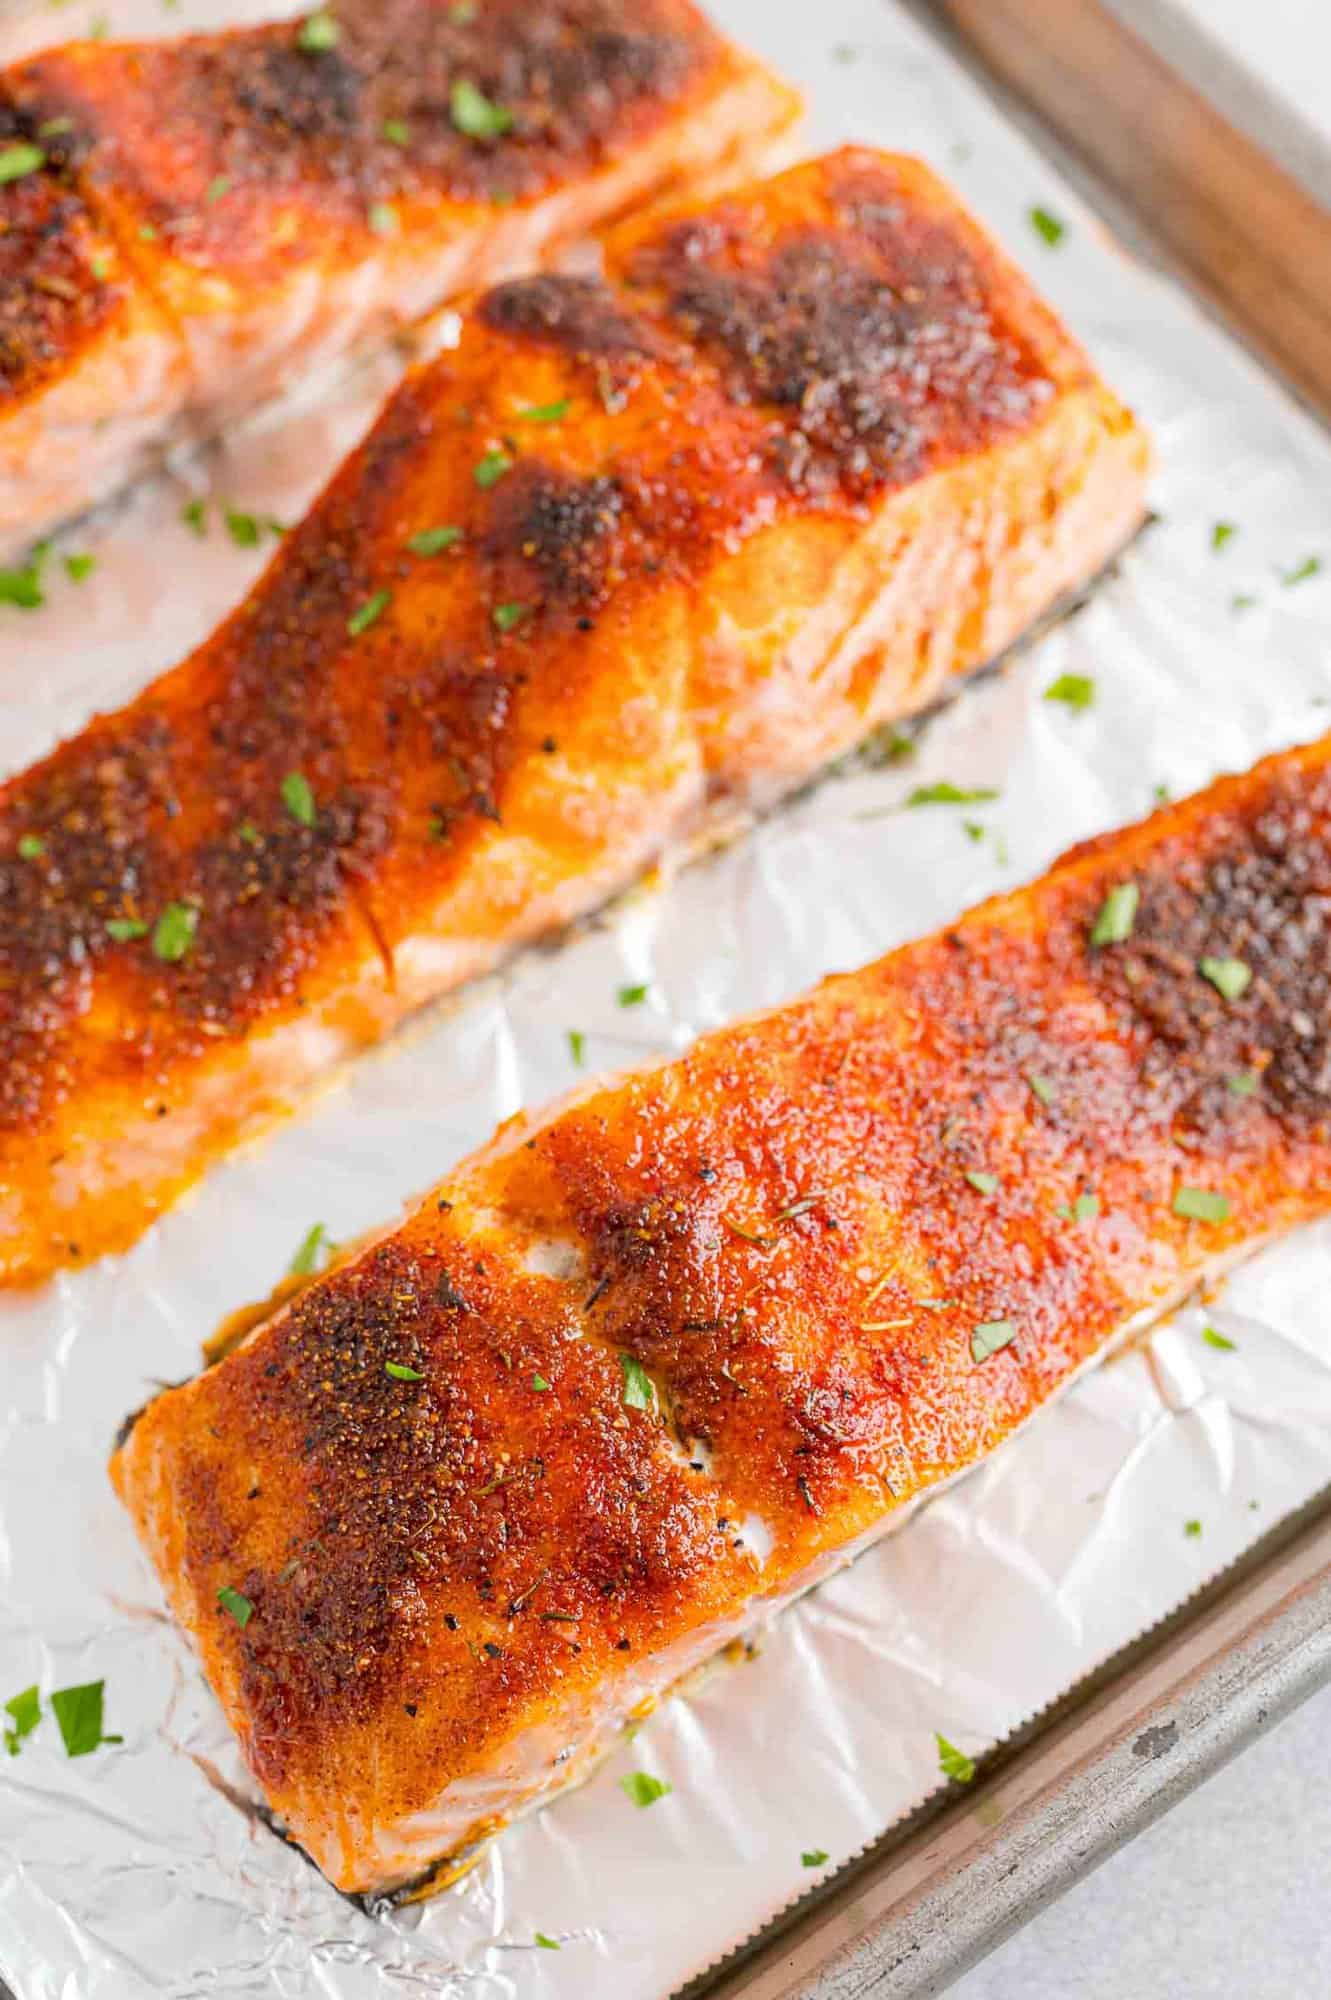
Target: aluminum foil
x=138 y=1870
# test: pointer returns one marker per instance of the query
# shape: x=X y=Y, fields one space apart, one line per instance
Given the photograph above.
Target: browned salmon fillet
x=655 y=1361
x=633 y=551
x=185 y=224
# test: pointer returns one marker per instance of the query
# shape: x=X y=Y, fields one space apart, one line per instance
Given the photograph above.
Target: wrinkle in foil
x=137 y=1871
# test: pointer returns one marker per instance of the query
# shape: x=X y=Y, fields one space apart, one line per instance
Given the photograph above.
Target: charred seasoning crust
x=158 y=126
x=782 y=1228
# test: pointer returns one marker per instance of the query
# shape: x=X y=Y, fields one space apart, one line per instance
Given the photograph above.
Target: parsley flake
x=235 y=1603
x=25 y=1711
x=31 y=847
x=953 y=1763
x=983 y=1183
x=508 y=616
x=123 y=929
x=396 y=131
x=1047 y=226
x=539 y=1383
x=1118 y=914
x=433 y=541
x=945 y=793
x=195 y=516
x=298 y=798
x=1221 y=1342
x=1042 y=1088
x=1196 y=1204
x=1243 y=1084
x=1222 y=532
x=318 y=32
x=644 y=1790
x=491 y=469
x=632 y=996
x=473 y=113
x=382 y=219
x=1310 y=566
x=20 y=160
x=546 y=413
x=372 y=609
x=638 y=1389
x=243 y=528
x=78 y=1712
x=1074 y=690
x=402 y=1372
x=990 y=1336
x=547 y=1943
x=173 y=933
x=1230 y=977
x=813 y=1857
x=314 y=1247
x=217 y=188
x=77 y=568
x=577 y=1046
x=22 y=587
x=1192 y=1529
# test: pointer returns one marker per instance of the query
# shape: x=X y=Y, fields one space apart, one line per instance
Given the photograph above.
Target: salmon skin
x=635 y=551
x=187 y=223
x=654 y=1362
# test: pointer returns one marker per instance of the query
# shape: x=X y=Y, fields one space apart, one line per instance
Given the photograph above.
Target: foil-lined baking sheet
x=137 y=1870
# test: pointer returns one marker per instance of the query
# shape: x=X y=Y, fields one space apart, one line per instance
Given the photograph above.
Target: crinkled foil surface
x=136 y=1871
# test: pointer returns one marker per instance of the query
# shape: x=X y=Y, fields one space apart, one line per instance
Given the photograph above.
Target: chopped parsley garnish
x=539 y=1383
x=249 y=833
x=952 y=1762
x=547 y=1943
x=1047 y=226
x=1222 y=532
x=123 y=929
x=1196 y=1204
x=638 y=1389
x=243 y=528
x=1230 y=977
x=235 y=1603
x=547 y=413
x=51 y=128
x=173 y=933
x=100 y=266
x=577 y=1045
x=1243 y=1084
x=433 y=541
x=373 y=608
x=632 y=996
x=1242 y=600
x=314 y=1245
x=147 y=234
x=644 y=1790
x=79 y=567
x=491 y=469
x=813 y=1857
x=317 y=33
x=31 y=847
x=22 y=587
x=983 y=1183
x=1081 y=1210
x=402 y=1372
x=1075 y=690
x=298 y=798
x=383 y=219
x=990 y=1336
x=25 y=1712
x=217 y=188
x=1310 y=566
x=1220 y=1341
x=1192 y=1529
x=396 y=131
x=1118 y=914
x=946 y=794
x=195 y=515
x=473 y=113
x=78 y=1712
x=508 y=616
x=1042 y=1088
x=19 y=160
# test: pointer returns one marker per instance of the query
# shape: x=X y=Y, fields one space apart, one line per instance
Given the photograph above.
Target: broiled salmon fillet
x=655 y=1361
x=633 y=551
x=187 y=223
